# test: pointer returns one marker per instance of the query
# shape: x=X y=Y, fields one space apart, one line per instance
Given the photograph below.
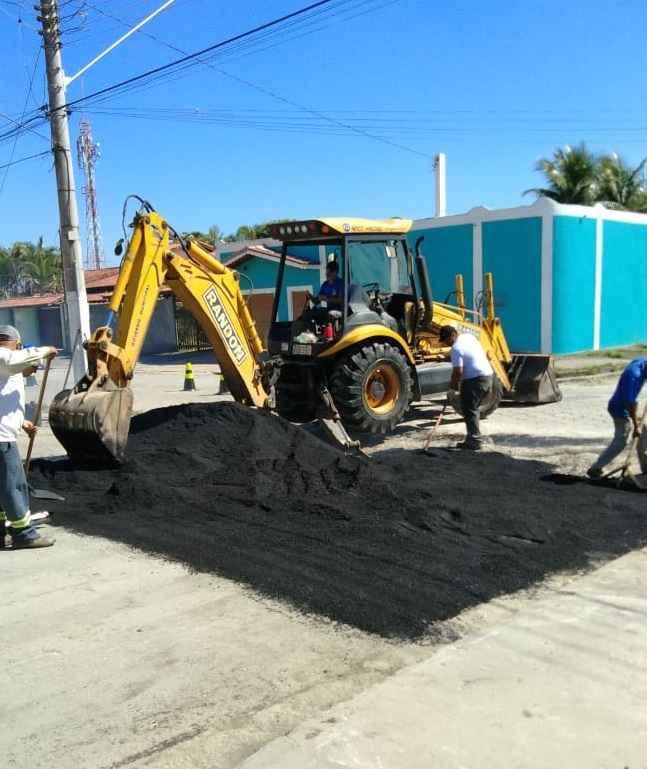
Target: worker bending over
x=623 y=409
x=14 y=492
x=472 y=375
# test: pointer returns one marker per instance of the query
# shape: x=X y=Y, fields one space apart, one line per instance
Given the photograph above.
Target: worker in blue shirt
x=332 y=289
x=623 y=408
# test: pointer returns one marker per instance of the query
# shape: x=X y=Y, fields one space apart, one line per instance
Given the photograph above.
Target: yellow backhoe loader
x=359 y=365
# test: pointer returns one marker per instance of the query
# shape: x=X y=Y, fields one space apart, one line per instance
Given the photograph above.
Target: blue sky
x=494 y=85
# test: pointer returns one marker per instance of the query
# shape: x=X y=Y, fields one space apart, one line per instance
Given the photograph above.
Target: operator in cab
x=623 y=409
x=16 y=363
x=332 y=289
x=472 y=376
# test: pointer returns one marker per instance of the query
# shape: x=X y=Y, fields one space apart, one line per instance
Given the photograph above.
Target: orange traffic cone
x=189 y=381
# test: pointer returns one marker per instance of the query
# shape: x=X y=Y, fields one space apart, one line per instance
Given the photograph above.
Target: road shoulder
x=562 y=683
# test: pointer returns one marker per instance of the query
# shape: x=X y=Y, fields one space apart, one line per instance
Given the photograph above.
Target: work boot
x=470 y=445
x=594 y=473
x=30 y=540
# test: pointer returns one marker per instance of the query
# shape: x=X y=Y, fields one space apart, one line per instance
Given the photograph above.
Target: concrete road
x=114 y=658
x=563 y=682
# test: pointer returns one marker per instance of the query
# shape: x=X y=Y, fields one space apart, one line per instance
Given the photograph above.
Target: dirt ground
x=118 y=658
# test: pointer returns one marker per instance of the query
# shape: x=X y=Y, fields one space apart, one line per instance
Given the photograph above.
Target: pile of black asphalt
x=391 y=545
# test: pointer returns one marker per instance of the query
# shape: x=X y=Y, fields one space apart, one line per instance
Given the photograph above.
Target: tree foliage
x=620 y=185
x=577 y=176
x=28 y=268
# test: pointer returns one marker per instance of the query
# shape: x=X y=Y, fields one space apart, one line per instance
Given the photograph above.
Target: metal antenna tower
x=88 y=153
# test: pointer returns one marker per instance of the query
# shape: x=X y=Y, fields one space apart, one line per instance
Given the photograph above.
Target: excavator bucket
x=92 y=425
x=533 y=380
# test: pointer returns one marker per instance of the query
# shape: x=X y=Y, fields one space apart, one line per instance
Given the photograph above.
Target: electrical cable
x=322 y=115
x=27 y=157
x=185 y=60
x=332 y=11
x=24 y=109
x=192 y=56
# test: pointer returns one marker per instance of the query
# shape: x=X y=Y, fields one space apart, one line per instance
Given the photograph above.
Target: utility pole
x=76 y=301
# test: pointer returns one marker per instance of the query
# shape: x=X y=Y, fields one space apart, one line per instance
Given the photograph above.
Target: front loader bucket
x=92 y=425
x=533 y=380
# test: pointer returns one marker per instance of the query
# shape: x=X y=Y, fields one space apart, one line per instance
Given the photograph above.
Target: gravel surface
x=390 y=545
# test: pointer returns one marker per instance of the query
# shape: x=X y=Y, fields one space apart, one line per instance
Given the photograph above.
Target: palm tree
x=43 y=266
x=25 y=267
x=620 y=185
x=212 y=236
x=14 y=278
x=4 y=273
x=571 y=175
x=250 y=232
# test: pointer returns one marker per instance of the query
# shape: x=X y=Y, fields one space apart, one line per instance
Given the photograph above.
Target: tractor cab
x=367 y=345
x=367 y=279
x=367 y=307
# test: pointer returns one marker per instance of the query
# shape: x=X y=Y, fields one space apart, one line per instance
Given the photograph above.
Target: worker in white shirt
x=14 y=492
x=472 y=375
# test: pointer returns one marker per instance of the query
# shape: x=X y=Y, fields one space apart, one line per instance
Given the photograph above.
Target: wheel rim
x=382 y=389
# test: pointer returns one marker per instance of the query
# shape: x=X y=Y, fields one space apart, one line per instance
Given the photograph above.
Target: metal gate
x=189 y=334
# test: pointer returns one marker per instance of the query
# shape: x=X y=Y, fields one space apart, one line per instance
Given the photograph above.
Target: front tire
x=372 y=387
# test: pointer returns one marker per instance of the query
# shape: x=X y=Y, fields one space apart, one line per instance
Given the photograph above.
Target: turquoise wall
x=573 y=283
x=512 y=253
x=262 y=273
x=25 y=319
x=624 y=277
x=447 y=251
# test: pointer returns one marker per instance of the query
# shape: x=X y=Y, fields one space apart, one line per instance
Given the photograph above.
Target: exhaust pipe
x=425 y=284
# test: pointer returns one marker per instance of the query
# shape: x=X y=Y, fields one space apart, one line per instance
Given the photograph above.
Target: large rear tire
x=489 y=404
x=372 y=387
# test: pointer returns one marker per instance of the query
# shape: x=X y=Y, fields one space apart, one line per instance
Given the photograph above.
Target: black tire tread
x=346 y=386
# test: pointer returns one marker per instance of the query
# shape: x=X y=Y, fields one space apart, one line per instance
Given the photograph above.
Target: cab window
x=383 y=263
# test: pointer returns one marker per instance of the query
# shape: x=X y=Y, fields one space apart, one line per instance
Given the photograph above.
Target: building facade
x=567 y=278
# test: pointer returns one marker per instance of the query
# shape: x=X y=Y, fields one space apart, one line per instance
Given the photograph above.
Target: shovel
x=436 y=425
x=625 y=478
x=40 y=493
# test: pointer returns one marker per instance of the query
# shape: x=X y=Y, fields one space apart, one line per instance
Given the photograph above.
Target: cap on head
x=446 y=333
x=9 y=334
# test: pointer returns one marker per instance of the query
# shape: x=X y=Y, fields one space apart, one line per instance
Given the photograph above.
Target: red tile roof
x=100 y=278
x=38 y=300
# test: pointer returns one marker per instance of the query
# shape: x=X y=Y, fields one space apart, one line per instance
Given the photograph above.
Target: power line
x=27 y=157
x=192 y=56
x=24 y=126
x=346 y=127
x=185 y=61
x=24 y=109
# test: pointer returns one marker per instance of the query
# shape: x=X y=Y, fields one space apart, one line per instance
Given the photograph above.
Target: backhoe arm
x=92 y=421
x=206 y=287
x=211 y=293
